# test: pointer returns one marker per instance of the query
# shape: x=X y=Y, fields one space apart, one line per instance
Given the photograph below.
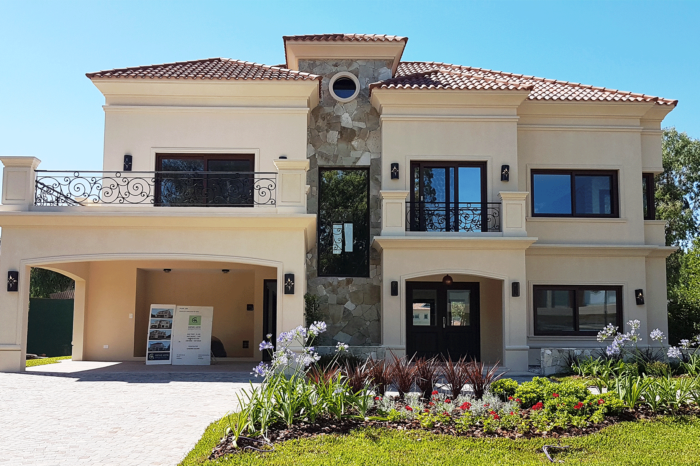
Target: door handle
x=444 y=320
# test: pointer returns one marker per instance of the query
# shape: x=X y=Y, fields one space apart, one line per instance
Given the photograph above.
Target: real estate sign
x=159 y=339
x=191 y=335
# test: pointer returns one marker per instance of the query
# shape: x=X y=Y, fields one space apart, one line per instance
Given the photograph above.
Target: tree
x=678 y=202
x=43 y=282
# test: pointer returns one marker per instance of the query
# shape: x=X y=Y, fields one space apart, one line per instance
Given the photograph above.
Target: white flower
x=674 y=353
x=634 y=324
x=657 y=335
x=268 y=336
x=266 y=345
x=613 y=349
x=608 y=331
x=261 y=370
x=317 y=328
x=685 y=344
x=340 y=347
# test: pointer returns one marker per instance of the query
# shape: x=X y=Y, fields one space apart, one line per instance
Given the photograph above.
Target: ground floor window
x=576 y=310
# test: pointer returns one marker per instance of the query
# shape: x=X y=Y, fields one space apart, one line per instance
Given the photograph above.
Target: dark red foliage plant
x=426 y=375
x=379 y=375
x=357 y=375
x=455 y=374
x=322 y=375
x=403 y=374
x=480 y=380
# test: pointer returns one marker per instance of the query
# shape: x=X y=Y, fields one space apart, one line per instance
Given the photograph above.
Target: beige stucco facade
x=117 y=252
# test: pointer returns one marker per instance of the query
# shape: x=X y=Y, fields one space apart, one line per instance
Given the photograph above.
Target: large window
x=205 y=180
x=576 y=310
x=569 y=193
x=343 y=222
x=648 y=190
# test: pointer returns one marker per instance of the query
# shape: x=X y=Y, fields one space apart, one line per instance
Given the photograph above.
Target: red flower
x=408 y=408
x=511 y=413
x=431 y=404
x=426 y=410
x=486 y=404
x=435 y=392
x=538 y=406
x=555 y=395
x=377 y=398
x=517 y=400
x=601 y=401
x=494 y=414
x=448 y=401
x=445 y=413
x=579 y=405
x=465 y=406
x=510 y=398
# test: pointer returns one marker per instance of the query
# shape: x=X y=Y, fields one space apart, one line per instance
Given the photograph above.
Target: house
x=431 y=208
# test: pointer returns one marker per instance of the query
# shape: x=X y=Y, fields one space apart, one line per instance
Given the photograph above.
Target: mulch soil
x=332 y=426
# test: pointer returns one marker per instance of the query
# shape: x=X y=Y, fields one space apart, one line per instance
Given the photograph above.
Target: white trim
x=595 y=128
x=353 y=78
x=203 y=108
x=577 y=219
x=468 y=118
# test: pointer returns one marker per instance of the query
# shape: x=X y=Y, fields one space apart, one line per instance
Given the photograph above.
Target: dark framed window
x=576 y=310
x=224 y=180
x=574 y=193
x=343 y=222
x=648 y=191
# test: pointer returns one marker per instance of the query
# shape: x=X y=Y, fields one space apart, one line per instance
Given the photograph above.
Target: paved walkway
x=77 y=413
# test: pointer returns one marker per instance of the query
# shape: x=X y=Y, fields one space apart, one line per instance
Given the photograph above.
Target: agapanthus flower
x=317 y=328
x=634 y=324
x=266 y=345
x=300 y=332
x=685 y=344
x=657 y=335
x=261 y=370
x=340 y=347
x=285 y=337
x=608 y=331
x=613 y=349
x=268 y=336
x=674 y=353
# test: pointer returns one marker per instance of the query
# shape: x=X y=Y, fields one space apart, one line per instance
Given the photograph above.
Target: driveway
x=123 y=414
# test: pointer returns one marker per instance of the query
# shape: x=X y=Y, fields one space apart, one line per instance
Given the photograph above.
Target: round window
x=344 y=86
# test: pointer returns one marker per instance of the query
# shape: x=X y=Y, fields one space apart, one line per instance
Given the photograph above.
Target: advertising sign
x=159 y=339
x=191 y=335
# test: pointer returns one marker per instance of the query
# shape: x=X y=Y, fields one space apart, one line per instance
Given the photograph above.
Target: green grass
x=670 y=440
x=44 y=361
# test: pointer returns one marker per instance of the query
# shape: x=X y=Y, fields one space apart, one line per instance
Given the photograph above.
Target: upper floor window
x=648 y=191
x=205 y=180
x=343 y=222
x=574 y=193
x=576 y=310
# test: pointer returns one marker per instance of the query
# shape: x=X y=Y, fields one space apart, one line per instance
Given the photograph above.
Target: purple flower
x=260 y=370
x=657 y=335
x=266 y=345
x=608 y=331
x=613 y=349
x=685 y=344
x=674 y=353
x=317 y=328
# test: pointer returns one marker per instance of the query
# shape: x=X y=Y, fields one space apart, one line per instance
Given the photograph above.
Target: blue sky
x=49 y=109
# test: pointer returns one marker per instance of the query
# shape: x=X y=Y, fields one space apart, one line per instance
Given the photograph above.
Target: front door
x=442 y=319
x=269 y=314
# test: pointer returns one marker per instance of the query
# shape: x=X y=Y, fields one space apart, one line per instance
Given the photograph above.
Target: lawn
x=670 y=440
x=44 y=361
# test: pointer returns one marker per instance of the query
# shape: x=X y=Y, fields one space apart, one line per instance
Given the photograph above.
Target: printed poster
x=191 y=337
x=160 y=329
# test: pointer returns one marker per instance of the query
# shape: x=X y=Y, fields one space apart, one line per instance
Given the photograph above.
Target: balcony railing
x=159 y=188
x=462 y=216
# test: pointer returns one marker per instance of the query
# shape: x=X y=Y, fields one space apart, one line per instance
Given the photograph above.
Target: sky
x=50 y=110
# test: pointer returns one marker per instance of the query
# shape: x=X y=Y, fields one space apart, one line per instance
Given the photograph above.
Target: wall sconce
x=127 y=162
x=12 y=280
x=447 y=280
x=505 y=172
x=515 y=289
x=249 y=307
x=639 y=296
x=283 y=157
x=394 y=171
x=288 y=283
x=167 y=270
x=394 y=288
x=225 y=270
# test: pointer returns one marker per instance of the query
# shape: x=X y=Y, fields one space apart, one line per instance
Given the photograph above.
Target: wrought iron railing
x=159 y=188
x=453 y=216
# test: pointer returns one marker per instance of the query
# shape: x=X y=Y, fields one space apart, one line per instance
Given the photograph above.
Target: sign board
x=160 y=329
x=192 y=335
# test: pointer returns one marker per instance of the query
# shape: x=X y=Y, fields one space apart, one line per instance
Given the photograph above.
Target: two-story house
x=430 y=208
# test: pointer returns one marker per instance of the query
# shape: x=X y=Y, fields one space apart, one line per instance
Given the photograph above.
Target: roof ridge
x=346 y=37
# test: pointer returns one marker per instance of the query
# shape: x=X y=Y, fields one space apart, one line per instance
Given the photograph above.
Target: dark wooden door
x=269 y=314
x=442 y=319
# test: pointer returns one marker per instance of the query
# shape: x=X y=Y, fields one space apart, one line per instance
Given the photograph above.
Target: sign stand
x=159 y=339
x=192 y=326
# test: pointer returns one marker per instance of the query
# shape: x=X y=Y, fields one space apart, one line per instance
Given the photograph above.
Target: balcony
x=458 y=217
x=157 y=188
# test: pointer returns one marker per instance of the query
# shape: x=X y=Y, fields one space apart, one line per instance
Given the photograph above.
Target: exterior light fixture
x=394 y=171
x=167 y=270
x=12 y=280
x=515 y=289
x=225 y=270
x=283 y=157
x=288 y=283
x=394 y=288
x=505 y=172
x=639 y=296
x=127 y=162
x=447 y=280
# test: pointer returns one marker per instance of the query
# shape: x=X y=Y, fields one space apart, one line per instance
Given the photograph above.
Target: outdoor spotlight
x=515 y=289
x=225 y=270
x=639 y=296
x=167 y=270
x=12 y=280
x=447 y=280
x=505 y=172
x=394 y=171
x=394 y=288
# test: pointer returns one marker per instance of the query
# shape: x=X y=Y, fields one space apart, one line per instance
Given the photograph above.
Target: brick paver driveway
x=119 y=415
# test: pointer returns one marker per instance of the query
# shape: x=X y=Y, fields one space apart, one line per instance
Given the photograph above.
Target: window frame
x=577 y=299
x=322 y=169
x=614 y=192
x=650 y=196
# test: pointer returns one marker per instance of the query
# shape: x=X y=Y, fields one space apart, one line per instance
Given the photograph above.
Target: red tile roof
x=542 y=89
x=346 y=38
x=210 y=68
x=447 y=79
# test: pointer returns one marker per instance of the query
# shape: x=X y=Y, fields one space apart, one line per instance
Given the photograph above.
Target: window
x=576 y=310
x=648 y=191
x=343 y=222
x=344 y=86
x=567 y=193
x=205 y=180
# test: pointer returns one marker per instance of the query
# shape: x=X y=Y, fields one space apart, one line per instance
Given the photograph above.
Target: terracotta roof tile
x=346 y=38
x=209 y=68
x=542 y=88
x=447 y=79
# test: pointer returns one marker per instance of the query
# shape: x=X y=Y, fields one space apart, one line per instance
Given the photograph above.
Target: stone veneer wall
x=347 y=135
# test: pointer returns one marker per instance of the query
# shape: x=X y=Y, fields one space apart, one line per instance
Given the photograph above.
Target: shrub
x=541 y=389
x=657 y=369
x=504 y=388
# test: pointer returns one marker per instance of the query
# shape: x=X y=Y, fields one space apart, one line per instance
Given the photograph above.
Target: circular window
x=344 y=86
